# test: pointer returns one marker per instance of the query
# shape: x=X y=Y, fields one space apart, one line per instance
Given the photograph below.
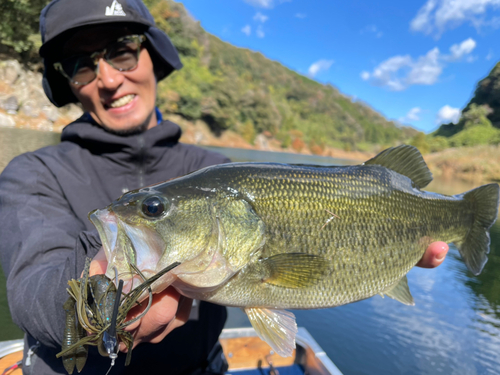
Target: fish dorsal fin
x=293 y=270
x=400 y=292
x=405 y=160
x=276 y=327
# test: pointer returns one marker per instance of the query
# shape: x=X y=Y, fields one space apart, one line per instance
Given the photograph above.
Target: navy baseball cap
x=61 y=18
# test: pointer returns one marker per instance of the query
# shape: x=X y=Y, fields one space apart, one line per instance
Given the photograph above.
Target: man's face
x=121 y=102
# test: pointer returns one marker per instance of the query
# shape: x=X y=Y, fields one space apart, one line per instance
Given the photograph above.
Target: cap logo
x=115 y=9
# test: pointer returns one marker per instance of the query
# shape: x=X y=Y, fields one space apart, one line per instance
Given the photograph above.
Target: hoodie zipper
x=141 y=161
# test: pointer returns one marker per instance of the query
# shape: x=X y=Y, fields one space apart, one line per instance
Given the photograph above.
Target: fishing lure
x=95 y=306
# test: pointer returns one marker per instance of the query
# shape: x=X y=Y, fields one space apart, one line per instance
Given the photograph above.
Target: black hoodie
x=45 y=235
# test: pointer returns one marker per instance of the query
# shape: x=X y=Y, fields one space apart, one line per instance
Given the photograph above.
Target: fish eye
x=153 y=207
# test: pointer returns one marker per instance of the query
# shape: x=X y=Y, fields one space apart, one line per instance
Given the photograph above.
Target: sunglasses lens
x=79 y=68
x=123 y=55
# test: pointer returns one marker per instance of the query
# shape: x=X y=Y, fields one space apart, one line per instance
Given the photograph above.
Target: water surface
x=454 y=328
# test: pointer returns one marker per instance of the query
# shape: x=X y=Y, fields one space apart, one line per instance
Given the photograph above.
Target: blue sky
x=415 y=61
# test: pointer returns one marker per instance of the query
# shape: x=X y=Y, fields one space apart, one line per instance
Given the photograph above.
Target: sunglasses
x=122 y=55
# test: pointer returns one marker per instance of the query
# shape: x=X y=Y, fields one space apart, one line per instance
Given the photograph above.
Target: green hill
x=232 y=88
x=479 y=123
x=237 y=89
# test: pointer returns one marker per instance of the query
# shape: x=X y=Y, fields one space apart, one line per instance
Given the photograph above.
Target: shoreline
x=23 y=104
x=473 y=165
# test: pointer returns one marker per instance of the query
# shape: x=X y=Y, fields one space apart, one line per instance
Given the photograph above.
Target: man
x=121 y=143
x=107 y=55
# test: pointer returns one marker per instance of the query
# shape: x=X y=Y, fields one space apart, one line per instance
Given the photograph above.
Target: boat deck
x=247 y=354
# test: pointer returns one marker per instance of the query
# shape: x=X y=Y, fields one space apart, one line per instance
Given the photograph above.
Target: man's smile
x=124 y=100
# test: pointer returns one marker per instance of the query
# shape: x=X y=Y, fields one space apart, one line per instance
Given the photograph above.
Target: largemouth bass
x=268 y=237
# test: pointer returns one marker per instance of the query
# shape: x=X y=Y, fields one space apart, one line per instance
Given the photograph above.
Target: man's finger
x=161 y=312
x=434 y=255
x=99 y=263
x=182 y=316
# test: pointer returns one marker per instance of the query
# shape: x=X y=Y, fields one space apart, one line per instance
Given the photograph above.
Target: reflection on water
x=487 y=283
x=453 y=329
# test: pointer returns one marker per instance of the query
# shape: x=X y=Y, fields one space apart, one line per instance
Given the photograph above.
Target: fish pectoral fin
x=276 y=327
x=406 y=160
x=293 y=270
x=400 y=292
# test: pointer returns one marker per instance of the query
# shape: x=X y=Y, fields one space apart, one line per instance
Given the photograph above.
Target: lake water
x=454 y=328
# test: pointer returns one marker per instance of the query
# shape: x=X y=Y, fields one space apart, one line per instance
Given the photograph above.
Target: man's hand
x=168 y=310
x=434 y=255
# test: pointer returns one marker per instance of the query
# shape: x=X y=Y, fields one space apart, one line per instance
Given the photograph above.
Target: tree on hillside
x=19 y=26
x=476 y=115
x=476 y=128
x=488 y=93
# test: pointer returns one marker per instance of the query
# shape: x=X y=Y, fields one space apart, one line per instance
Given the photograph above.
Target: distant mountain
x=480 y=119
x=488 y=93
x=240 y=90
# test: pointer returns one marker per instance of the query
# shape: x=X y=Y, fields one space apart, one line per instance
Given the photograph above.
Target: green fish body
x=268 y=237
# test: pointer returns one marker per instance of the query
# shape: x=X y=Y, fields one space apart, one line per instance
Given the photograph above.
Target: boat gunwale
x=303 y=339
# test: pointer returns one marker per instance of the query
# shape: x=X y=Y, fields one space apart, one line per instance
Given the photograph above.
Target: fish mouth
x=125 y=244
x=107 y=227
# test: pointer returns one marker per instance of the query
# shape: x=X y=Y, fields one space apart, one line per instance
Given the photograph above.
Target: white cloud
x=422 y=21
x=436 y=16
x=259 y=17
x=399 y=72
x=489 y=56
x=267 y=4
x=412 y=115
x=260 y=32
x=391 y=73
x=448 y=114
x=319 y=66
x=261 y=3
x=300 y=15
x=247 y=30
x=426 y=70
x=365 y=76
x=460 y=50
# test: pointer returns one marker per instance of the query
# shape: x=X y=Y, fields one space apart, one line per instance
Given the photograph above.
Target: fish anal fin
x=405 y=160
x=293 y=270
x=400 y=292
x=276 y=327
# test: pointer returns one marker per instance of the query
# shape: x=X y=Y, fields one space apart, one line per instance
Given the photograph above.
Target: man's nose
x=108 y=77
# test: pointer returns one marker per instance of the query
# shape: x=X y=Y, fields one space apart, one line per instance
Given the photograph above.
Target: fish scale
x=371 y=245
x=268 y=237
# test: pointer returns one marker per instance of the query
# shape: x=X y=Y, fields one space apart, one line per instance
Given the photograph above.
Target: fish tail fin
x=476 y=244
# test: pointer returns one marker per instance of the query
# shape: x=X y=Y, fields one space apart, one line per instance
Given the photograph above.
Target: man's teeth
x=122 y=101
